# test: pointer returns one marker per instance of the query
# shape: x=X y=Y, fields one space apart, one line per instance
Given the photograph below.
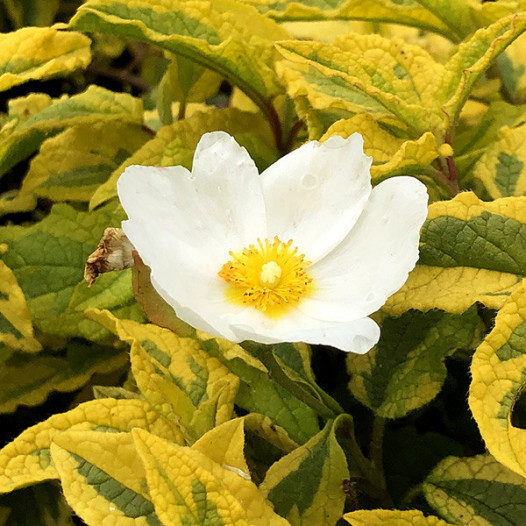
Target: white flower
x=303 y=252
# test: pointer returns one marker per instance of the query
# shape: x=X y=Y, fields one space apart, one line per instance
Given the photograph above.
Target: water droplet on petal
x=309 y=181
x=370 y=297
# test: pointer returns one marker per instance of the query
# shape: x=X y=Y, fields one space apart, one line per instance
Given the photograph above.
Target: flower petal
x=315 y=194
x=354 y=336
x=374 y=260
x=228 y=185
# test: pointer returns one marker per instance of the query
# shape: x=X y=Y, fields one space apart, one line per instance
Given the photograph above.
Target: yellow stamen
x=271 y=276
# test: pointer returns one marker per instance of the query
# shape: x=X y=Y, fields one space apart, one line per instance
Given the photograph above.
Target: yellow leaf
x=26 y=459
x=16 y=329
x=497 y=371
x=501 y=169
x=392 y=518
x=470 y=251
x=454 y=489
x=103 y=478
x=187 y=487
x=35 y=53
x=176 y=375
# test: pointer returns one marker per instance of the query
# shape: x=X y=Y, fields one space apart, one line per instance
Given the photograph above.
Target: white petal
x=315 y=194
x=374 y=260
x=355 y=336
x=228 y=185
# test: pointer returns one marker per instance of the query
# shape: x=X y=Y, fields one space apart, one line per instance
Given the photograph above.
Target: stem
x=266 y=356
x=275 y=126
x=295 y=128
x=451 y=167
x=182 y=111
x=410 y=496
x=376 y=447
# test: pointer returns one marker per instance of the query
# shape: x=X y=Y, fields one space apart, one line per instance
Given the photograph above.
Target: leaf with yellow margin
x=512 y=70
x=476 y=490
x=406 y=369
x=74 y=163
x=392 y=518
x=26 y=460
x=392 y=155
x=228 y=37
x=305 y=486
x=501 y=169
x=366 y=74
x=175 y=144
x=187 y=487
x=498 y=372
x=176 y=375
x=406 y=13
x=16 y=329
x=470 y=251
x=29 y=381
x=103 y=478
x=33 y=53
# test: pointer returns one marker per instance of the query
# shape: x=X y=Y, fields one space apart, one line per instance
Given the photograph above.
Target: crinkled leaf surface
x=48 y=260
x=406 y=369
x=178 y=378
x=498 y=376
x=189 y=488
x=226 y=36
x=392 y=518
x=103 y=478
x=259 y=393
x=476 y=490
x=16 y=329
x=26 y=460
x=175 y=144
x=305 y=486
x=501 y=168
x=35 y=53
x=21 y=137
x=470 y=251
x=400 y=12
x=74 y=163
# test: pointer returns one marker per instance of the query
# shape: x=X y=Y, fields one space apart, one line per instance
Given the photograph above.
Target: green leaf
x=176 y=376
x=392 y=518
x=470 y=251
x=23 y=136
x=226 y=36
x=26 y=381
x=16 y=329
x=103 y=478
x=512 y=67
x=74 y=163
x=406 y=369
x=175 y=144
x=476 y=490
x=36 y=53
x=305 y=486
x=498 y=378
x=473 y=57
x=187 y=487
x=259 y=393
x=26 y=460
x=501 y=169
x=48 y=261
x=404 y=12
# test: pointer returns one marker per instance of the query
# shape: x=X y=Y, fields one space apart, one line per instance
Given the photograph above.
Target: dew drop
x=370 y=297
x=309 y=181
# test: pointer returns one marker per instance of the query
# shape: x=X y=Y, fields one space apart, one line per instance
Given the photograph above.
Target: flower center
x=270 y=276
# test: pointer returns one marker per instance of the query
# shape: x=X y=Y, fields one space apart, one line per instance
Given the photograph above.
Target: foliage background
x=131 y=423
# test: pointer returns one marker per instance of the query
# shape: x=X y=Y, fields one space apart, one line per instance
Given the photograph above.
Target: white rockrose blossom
x=306 y=251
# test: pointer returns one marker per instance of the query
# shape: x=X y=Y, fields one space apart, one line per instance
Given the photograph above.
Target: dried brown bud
x=113 y=253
